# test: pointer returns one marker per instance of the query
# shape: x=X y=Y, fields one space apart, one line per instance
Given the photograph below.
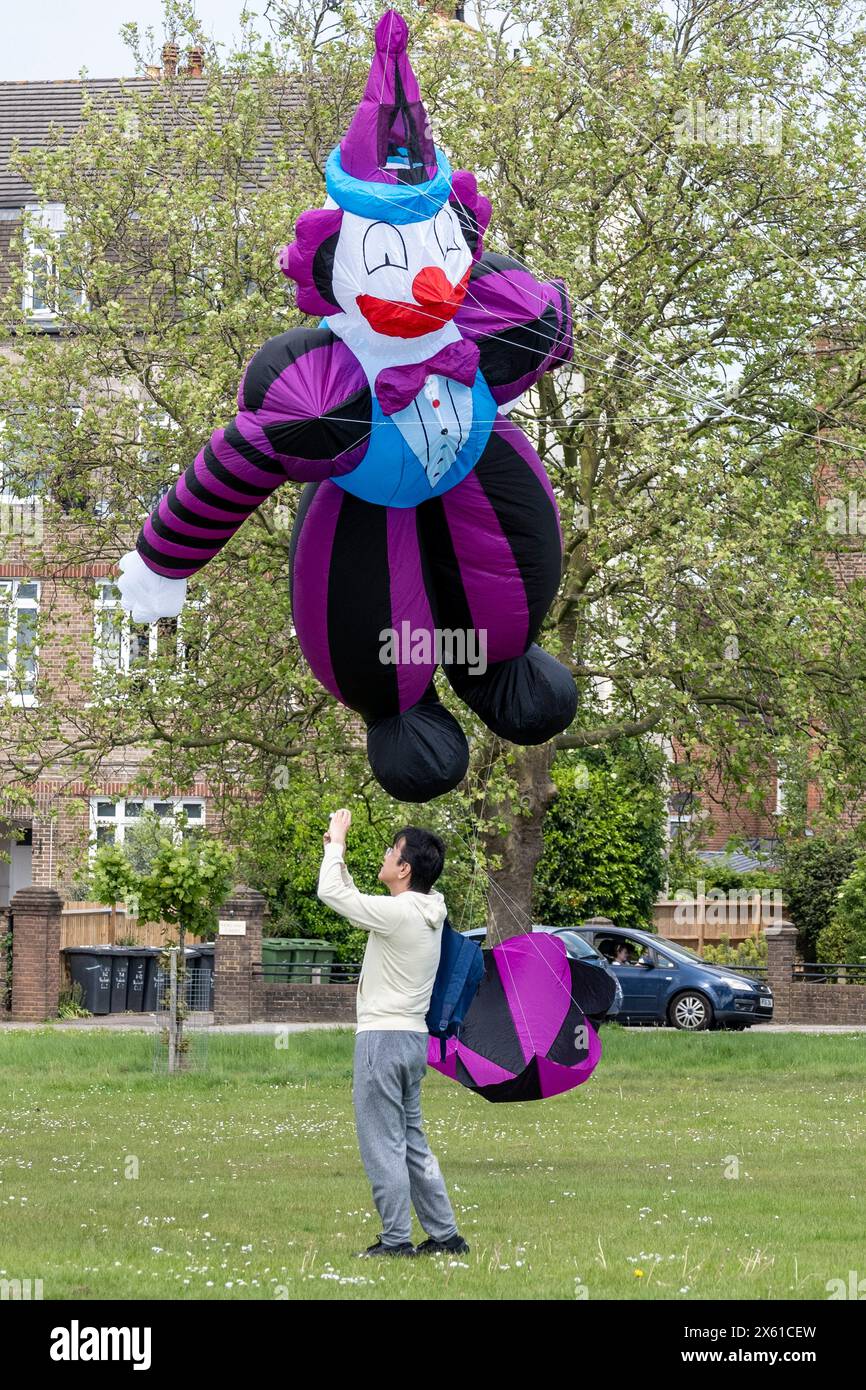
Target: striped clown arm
x=523 y=326
x=304 y=415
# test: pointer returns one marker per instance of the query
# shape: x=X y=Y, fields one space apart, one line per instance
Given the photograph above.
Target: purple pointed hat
x=390 y=121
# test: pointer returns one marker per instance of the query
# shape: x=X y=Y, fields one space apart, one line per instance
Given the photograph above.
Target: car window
x=577 y=945
x=637 y=950
x=663 y=959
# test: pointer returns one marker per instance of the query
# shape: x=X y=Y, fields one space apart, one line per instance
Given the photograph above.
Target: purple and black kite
x=529 y=1031
x=427 y=513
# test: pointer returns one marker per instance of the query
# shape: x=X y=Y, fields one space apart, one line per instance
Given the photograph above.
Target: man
x=397 y=976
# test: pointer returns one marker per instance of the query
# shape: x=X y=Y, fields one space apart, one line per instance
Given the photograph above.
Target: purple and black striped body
x=481 y=559
x=528 y=1034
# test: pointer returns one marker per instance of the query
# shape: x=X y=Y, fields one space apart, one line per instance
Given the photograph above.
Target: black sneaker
x=380 y=1249
x=455 y=1245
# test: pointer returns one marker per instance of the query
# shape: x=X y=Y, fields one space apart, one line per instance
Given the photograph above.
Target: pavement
x=146 y=1023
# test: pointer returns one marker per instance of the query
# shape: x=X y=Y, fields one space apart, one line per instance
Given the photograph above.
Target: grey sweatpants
x=389 y=1067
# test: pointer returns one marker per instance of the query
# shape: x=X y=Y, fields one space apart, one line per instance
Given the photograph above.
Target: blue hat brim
x=397 y=203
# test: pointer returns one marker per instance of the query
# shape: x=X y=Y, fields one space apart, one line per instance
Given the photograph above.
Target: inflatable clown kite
x=427 y=516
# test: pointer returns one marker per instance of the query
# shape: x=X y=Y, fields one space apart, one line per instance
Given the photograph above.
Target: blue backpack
x=461 y=970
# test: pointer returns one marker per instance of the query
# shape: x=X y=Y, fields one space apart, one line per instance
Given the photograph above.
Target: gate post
x=781 y=946
x=35 y=954
x=237 y=992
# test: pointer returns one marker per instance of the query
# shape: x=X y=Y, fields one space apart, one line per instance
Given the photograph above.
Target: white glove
x=146 y=595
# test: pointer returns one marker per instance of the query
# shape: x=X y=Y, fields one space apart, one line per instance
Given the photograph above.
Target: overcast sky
x=55 y=38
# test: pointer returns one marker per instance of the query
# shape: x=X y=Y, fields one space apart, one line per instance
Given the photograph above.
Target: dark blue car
x=663 y=982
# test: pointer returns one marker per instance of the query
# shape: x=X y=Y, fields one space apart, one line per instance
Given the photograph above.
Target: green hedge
x=603 y=837
x=813 y=871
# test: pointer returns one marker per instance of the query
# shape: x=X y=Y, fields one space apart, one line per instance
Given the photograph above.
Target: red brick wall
x=308 y=1003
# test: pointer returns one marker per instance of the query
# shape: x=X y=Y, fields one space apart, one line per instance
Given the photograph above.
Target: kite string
x=685 y=385
x=485 y=785
x=541 y=300
x=513 y=908
x=473 y=850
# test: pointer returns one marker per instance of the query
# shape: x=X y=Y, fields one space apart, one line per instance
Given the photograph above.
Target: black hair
x=424 y=852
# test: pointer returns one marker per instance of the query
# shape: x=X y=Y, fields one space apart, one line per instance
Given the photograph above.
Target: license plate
x=765 y=1003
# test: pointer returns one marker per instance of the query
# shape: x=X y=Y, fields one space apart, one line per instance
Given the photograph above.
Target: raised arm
x=304 y=415
x=521 y=325
x=372 y=912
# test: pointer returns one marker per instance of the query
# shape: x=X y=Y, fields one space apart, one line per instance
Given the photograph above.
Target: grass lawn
x=244 y=1181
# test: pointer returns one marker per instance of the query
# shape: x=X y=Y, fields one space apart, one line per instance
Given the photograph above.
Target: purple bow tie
x=396 y=387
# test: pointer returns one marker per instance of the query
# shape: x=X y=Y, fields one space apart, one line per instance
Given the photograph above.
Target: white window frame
x=52 y=217
x=780 y=795
x=120 y=821
x=162 y=420
x=76 y=410
x=6 y=493
x=103 y=605
x=24 y=698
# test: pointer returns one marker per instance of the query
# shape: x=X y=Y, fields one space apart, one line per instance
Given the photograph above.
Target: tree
x=813 y=872
x=843 y=939
x=603 y=839
x=185 y=886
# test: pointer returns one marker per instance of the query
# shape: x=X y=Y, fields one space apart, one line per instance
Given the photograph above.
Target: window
x=679 y=814
x=20 y=480
x=24 y=476
x=19 y=609
x=780 y=796
x=115 y=822
x=154 y=423
x=126 y=647
x=49 y=285
x=626 y=950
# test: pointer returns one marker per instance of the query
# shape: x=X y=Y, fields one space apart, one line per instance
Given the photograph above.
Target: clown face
x=403 y=281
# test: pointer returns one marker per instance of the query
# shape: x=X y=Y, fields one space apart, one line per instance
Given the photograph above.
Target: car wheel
x=691 y=1011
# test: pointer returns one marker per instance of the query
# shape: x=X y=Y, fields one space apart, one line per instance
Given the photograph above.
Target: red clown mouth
x=438 y=302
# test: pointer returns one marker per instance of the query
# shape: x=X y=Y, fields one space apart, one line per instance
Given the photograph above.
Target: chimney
x=170 y=55
x=196 y=62
x=153 y=71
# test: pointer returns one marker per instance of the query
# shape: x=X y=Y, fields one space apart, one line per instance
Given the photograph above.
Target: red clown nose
x=432 y=286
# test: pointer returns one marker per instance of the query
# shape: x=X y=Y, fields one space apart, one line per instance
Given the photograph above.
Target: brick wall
x=308 y=1003
x=36 y=962
x=797 y=1002
x=827 y=1004
x=237 y=986
x=4 y=926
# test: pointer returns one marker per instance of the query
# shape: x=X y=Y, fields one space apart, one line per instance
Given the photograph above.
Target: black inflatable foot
x=526 y=700
x=420 y=753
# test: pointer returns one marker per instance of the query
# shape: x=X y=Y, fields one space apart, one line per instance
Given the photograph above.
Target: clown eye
x=446 y=234
x=383 y=245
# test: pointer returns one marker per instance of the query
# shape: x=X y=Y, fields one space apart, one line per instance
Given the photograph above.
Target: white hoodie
x=402 y=954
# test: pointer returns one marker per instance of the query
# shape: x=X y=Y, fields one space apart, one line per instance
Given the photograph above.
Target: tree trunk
x=509 y=889
x=180 y=1049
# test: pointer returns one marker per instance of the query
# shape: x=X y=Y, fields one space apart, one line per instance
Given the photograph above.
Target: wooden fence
x=703 y=919
x=94 y=924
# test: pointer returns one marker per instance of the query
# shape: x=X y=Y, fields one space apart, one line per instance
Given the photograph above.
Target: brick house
x=44 y=845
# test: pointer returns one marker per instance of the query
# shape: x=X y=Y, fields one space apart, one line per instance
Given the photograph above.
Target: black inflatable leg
x=420 y=753
x=526 y=700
